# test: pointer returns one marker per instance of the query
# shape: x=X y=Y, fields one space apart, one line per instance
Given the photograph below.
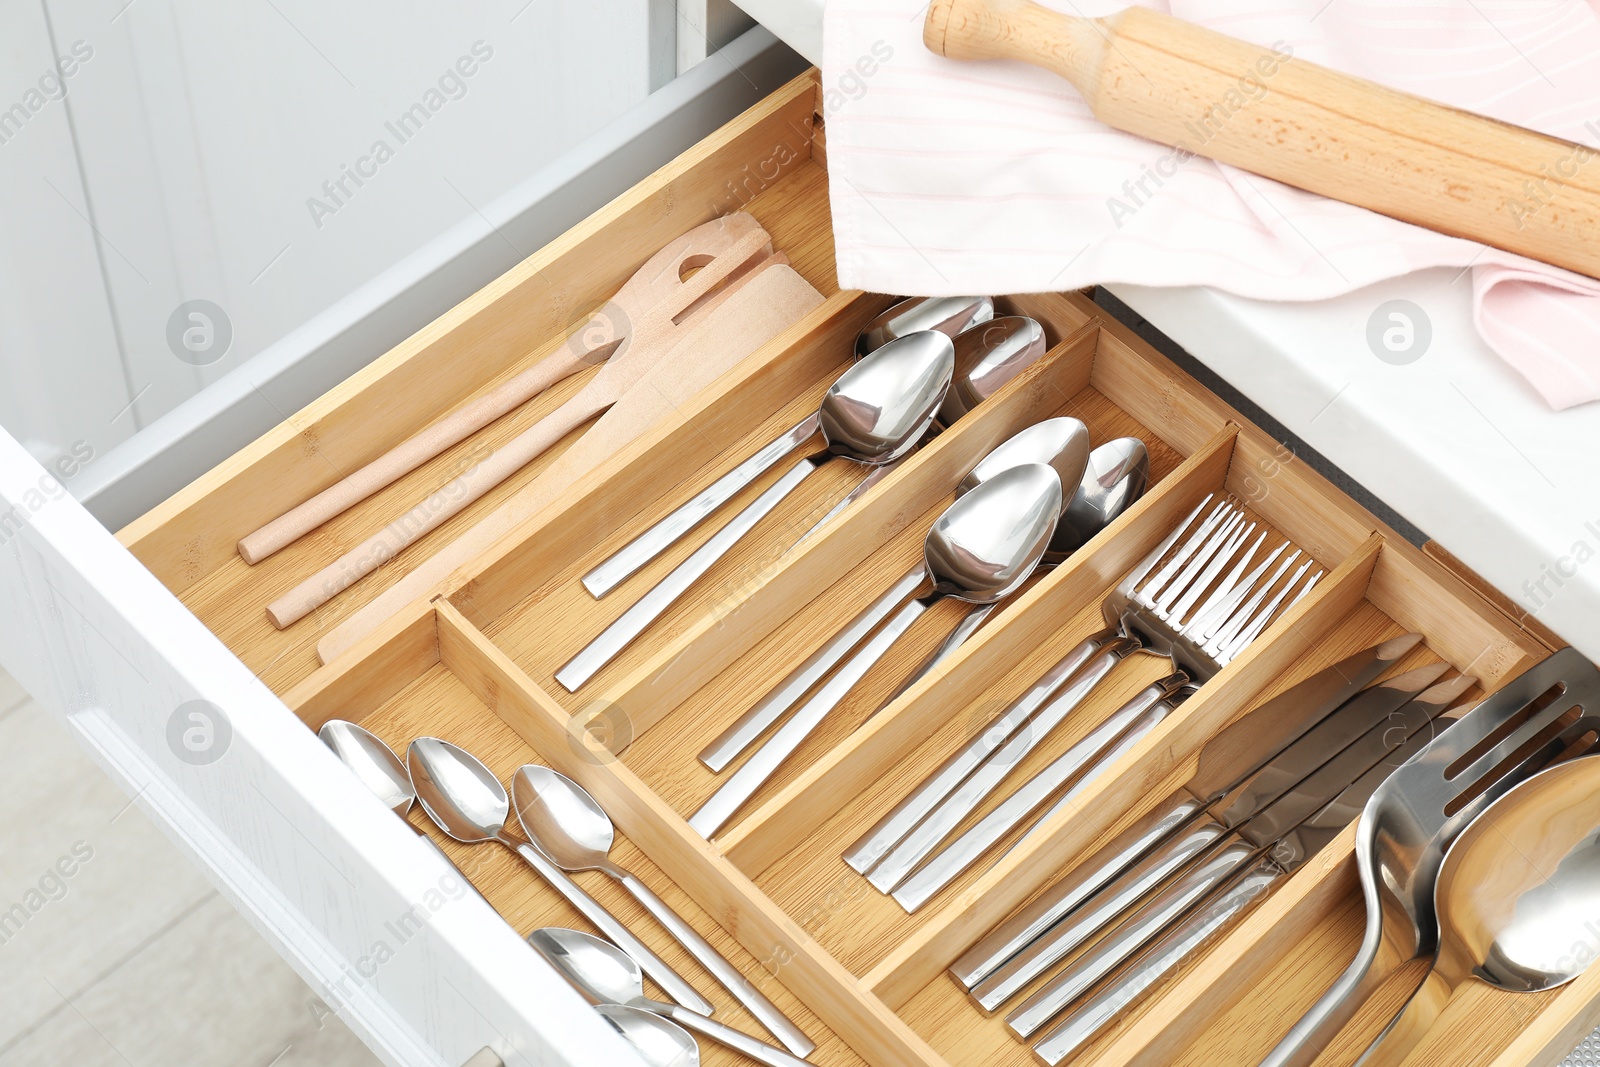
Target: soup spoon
x=947 y=314
x=606 y=975
x=1516 y=899
x=980 y=550
x=659 y=1043
x=468 y=802
x=1061 y=443
x=565 y=823
x=874 y=413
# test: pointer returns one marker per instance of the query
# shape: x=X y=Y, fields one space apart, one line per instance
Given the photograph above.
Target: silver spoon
x=606 y=975
x=980 y=550
x=874 y=413
x=569 y=826
x=947 y=314
x=1515 y=898
x=1061 y=443
x=468 y=802
x=373 y=762
x=659 y=1043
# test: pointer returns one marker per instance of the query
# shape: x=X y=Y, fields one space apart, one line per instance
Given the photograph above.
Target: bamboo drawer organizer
x=862 y=977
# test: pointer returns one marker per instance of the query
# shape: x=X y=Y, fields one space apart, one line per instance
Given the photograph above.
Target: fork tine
x=1197 y=563
x=1225 y=555
x=1137 y=576
x=1206 y=624
x=1190 y=543
x=1229 y=649
x=1241 y=616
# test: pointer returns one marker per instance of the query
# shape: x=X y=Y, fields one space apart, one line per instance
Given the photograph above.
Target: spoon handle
x=664 y=534
x=732 y=980
x=893 y=828
x=727 y=1036
x=755 y=722
x=1406 y=1031
x=715 y=812
x=650 y=607
x=609 y=925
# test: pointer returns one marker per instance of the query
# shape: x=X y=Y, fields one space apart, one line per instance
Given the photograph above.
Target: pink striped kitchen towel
x=952 y=177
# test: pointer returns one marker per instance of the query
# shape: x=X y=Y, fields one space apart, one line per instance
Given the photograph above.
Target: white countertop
x=1456 y=442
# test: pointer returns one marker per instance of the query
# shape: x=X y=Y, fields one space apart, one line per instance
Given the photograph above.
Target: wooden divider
x=769 y=832
x=1148 y=772
x=694 y=864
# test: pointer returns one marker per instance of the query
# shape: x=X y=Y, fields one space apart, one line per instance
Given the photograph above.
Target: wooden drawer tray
x=863 y=977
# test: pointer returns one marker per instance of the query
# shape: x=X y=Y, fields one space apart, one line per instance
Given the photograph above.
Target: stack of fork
x=1199 y=598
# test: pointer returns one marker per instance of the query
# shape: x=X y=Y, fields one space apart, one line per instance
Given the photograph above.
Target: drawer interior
x=865 y=978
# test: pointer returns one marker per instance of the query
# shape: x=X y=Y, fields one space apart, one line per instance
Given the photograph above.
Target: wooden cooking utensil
x=748 y=316
x=1307 y=126
x=652 y=338
x=720 y=248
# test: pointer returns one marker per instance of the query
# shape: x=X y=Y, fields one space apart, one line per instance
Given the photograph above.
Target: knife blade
x=1233 y=755
x=1277 y=840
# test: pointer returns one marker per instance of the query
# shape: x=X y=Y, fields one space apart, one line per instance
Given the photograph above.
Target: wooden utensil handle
x=1317 y=129
x=411 y=453
x=449 y=500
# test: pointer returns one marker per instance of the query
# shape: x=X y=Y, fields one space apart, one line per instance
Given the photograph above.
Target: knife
x=1276 y=849
x=1256 y=839
x=1234 y=754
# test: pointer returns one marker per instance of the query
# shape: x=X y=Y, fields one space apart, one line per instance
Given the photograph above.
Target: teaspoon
x=565 y=823
x=659 y=1043
x=468 y=802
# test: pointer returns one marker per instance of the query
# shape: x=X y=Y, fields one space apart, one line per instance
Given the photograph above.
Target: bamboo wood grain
x=1317 y=129
x=396 y=677
x=648 y=304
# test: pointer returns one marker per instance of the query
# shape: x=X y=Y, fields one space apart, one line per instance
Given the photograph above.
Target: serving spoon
x=874 y=413
x=1061 y=443
x=980 y=550
x=468 y=802
x=570 y=827
x=1516 y=898
x=948 y=315
x=659 y=1043
x=606 y=975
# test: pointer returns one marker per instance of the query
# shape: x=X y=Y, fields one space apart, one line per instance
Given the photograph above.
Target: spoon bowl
x=1060 y=443
x=373 y=762
x=948 y=314
x=604 y=974
x=1116 y=475
x=987 y=357
x=987 y=543
x=659 y=1043
x=877 y=410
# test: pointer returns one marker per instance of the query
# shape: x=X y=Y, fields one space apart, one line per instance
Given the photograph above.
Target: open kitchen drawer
x=865 y=979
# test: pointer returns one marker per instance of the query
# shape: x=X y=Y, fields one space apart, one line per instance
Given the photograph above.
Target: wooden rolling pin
x=1307 y=126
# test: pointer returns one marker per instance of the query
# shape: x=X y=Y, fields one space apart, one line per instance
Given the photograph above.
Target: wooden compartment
x=864 y=978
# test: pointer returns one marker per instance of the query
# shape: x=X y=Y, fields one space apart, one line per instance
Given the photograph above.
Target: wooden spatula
x=719 y=248
x=1307 y=126
x=739 y=241
x=748 y=316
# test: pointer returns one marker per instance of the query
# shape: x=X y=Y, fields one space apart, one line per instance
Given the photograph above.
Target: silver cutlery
x=658 y=1042
x=1512 y=893
x=1270 y=828
x=468 y=802
x=948 y=315
x=1115 y=477
x=1227 y=761
x=1415 y=815
x=875 y=412
x=1373 y=707
x=606 y=975
x=982 y=548
x=1061 y=443
x=564 y=822
x=1233 y=876
x=1164 y=614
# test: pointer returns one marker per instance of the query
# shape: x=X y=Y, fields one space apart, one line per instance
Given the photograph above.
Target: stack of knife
x=1271 y=790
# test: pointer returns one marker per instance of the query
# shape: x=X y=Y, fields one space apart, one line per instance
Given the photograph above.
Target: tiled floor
x=114 y=950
